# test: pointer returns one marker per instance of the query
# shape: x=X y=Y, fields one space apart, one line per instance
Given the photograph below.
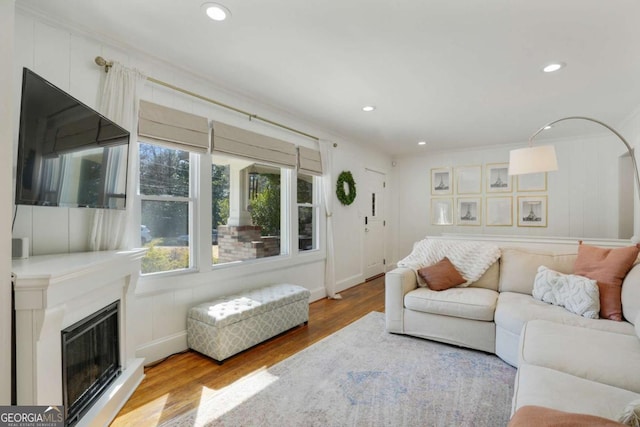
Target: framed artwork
x=441 y=181
x=441 y=211
x=499 y=211
x=469 y=179
x=532 y=182
x=468 y=211
x=498 y=179
x=532 y=211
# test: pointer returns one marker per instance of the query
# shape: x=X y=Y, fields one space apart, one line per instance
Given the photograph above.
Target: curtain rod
x=100 y=61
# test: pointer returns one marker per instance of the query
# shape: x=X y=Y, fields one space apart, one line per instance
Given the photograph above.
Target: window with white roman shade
x=250 y=145
x=173 y=128
x=309 y=161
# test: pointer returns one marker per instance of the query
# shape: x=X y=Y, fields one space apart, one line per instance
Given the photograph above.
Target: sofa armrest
x=397 y=283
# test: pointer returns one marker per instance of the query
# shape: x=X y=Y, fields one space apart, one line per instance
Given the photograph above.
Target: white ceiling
x=454 y=73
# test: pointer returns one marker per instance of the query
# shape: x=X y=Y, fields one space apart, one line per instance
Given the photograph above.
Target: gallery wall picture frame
x=498 y=178
x=532 y=182
x=441 y=211
x=469 y=211
x=532 y=211
x=499 y=211
x=468 y=179
x=441 y=181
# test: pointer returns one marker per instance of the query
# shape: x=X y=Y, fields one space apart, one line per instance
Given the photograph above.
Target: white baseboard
x=163 y=347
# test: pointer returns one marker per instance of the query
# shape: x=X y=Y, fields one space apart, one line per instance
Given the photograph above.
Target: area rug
x=364 y=376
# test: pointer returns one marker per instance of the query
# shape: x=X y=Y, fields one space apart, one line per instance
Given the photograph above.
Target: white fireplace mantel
x=53 y=292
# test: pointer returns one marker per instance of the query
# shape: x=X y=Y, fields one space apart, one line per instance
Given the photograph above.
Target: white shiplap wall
x=65 y=57
x=6 y=133
x=582 y=194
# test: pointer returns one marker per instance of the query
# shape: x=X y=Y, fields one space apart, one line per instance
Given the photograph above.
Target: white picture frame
x=441 y=181
x=532 y=182
x=468 y=179
x=532 y=211
x=441 y=211
x=498 y=178
x=469 y=211
x=499 y=211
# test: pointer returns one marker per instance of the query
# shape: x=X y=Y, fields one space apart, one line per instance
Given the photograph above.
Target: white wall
x=65 y=57
x=6 y=138
x=582 y=194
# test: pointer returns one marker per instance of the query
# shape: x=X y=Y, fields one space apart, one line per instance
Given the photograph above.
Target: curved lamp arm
x=616 y=133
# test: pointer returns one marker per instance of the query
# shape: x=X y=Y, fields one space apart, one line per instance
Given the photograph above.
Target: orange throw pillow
x=608 y=267
x=538 y=416
x=441 y=275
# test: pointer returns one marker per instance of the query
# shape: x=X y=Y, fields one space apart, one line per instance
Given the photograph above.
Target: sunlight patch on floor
x=157 y=405
x=215 y=403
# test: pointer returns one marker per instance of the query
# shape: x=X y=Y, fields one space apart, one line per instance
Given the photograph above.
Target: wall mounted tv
x=68 y=154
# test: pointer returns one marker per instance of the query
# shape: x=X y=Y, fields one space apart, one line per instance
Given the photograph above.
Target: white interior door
x=374 y=224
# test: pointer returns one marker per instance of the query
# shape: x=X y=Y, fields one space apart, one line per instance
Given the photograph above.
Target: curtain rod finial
x=101 y=62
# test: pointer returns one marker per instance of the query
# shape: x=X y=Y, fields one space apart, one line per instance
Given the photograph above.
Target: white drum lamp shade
x=534 y=159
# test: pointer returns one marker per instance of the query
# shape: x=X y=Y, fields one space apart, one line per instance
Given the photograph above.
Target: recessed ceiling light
x=368 y=108
x=555 y=66
x=422 y=143
x=216 y=11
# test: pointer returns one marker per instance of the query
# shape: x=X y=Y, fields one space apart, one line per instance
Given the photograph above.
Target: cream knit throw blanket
x=471 y=259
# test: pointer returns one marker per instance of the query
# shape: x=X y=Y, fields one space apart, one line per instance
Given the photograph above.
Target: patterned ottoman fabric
x=230 y=324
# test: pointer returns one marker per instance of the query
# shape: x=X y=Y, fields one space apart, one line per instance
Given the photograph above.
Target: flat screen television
x=68 y=154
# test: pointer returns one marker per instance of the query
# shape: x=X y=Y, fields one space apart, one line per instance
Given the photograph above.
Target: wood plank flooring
x=175 y=386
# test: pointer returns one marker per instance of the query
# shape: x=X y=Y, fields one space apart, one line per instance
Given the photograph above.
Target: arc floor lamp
x=542 y=158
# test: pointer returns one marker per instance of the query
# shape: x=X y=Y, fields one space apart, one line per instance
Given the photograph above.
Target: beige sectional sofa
x=565 y=361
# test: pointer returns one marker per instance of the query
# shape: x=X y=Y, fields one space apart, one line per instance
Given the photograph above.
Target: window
x=166 y=208
x=247 y=215
x=308 y=208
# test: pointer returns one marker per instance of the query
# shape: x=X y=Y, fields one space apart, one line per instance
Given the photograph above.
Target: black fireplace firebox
x=90 y=360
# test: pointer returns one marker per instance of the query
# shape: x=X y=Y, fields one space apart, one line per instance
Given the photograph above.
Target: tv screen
x=68 y=154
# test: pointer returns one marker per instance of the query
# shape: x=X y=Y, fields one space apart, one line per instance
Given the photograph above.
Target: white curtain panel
x=327 y=192
x=120 y=103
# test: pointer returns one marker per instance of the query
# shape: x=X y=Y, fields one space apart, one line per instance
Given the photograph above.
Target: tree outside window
x=165 y=208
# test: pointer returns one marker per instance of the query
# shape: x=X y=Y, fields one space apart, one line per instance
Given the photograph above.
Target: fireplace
x=90 y=360
x=66 y=301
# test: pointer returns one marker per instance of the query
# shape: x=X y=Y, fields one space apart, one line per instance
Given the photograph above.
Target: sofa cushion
x=536 y=385
x=600 y=356
x=466 y=303
x=577 y=294
x=609 y=267
x=539 y=416
x=490 y=278
x=515 y=309
x=631 y=294
x=518 y=268
x=441 y=275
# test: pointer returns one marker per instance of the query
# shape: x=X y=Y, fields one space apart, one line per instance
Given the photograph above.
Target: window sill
x=158 y=283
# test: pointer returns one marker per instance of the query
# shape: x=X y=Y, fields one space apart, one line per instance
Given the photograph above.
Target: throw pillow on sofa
x=539 y=416
x=608 y=267
x=577 y=294
x=441 y=275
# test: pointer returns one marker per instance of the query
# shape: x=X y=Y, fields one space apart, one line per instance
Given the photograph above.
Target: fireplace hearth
x=90 y=360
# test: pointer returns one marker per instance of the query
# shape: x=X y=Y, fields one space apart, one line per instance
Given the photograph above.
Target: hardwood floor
x=176 y=385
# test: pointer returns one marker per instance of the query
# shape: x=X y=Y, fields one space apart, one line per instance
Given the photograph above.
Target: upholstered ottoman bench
x=231 y=324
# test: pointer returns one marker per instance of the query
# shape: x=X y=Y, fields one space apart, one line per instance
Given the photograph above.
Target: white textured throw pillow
x=577 y=294
x=631 y=414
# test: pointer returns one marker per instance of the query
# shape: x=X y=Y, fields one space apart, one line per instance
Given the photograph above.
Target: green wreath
x=346 y=198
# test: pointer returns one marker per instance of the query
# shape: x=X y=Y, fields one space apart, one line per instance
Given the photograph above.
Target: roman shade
x=309 y=161
x=239 y=142
x=173 y=128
